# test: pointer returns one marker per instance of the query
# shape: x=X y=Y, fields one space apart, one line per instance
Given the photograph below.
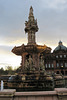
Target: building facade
x=57 y=60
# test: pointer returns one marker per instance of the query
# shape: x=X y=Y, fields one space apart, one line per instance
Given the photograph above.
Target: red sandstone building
x=57 y=60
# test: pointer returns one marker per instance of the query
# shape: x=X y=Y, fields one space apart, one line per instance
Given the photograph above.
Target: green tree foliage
x=1 y=71
x=9 y=70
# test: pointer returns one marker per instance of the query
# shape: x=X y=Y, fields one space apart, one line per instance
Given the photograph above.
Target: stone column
x=54 y=63
x=38 y=59
x=33 y=58
x=31 y=37
x=23 y=61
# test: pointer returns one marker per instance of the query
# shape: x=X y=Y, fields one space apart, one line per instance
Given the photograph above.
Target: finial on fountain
x=31 y=11
x=31 y=27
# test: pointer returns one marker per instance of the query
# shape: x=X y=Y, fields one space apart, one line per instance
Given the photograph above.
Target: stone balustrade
x=11 y=94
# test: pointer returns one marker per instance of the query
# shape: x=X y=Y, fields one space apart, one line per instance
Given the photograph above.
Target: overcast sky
x=52 y=22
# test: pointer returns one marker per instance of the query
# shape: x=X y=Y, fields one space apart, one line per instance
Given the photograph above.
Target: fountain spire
x=31 y=27
x=31 y=11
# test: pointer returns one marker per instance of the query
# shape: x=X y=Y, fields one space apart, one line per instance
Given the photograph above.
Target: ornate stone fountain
x=32 y=76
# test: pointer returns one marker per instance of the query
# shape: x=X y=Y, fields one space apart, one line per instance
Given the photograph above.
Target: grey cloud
x=5 y=50
x=52 y=23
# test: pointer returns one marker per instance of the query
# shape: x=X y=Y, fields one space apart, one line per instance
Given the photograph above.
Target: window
x=62 y=65
x=49 y=65
x=52 y=65
x=46 y=65
x=65 y=64
x=64 y=56
x=57 y=64
x=57 y=56
x=60 y=56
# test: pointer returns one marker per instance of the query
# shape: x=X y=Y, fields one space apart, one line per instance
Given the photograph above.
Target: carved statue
x=26 y=63
x=42 y=67
x=30 y=61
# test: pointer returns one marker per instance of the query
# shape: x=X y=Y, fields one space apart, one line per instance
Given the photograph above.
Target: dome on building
x=60 y=47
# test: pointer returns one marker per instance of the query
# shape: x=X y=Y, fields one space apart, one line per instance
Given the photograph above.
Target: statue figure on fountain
x=26 y=63
x=42 y=67
x=29 y=64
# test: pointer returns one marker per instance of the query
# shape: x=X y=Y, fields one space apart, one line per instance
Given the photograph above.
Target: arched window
x=49 y=65
x=62 y=65
x=57 y=56
x=64 y=56
x=60 y=56
x=57 y=64
x=52 y=66
x=46 y=65
x=65 y=64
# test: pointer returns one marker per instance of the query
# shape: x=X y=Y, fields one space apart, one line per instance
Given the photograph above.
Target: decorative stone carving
x=30 y=61
x=31 y=27
x=26 y=63
x=31 y=48
x=42 y=66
